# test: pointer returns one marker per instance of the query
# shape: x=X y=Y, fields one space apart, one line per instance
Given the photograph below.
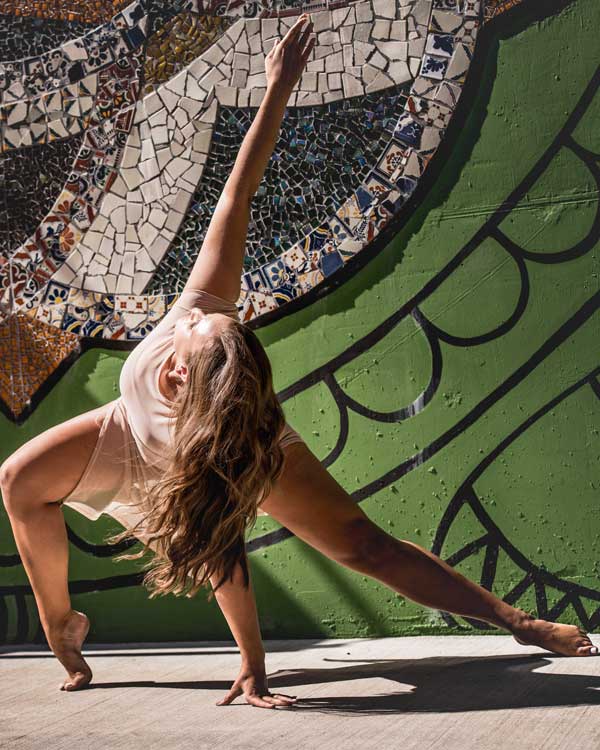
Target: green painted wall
x=499 y=473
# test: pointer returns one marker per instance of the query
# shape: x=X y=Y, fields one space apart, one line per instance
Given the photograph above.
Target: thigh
x=47 y=468
x=309 y=502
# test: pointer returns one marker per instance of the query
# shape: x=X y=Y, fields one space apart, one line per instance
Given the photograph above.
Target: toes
x=587 y=651
x=78 y=681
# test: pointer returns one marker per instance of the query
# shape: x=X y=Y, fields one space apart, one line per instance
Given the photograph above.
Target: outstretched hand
x=252 y=684
x=285 y=62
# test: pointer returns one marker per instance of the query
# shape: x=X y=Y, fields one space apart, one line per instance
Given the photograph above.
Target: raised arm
x=218 y=268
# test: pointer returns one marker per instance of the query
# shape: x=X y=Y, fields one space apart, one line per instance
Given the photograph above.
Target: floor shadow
x=430 y=685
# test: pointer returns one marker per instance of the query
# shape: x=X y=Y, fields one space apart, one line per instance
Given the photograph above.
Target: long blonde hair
x=222 y=463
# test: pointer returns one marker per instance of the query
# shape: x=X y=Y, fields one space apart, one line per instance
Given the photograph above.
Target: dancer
x=197 y=443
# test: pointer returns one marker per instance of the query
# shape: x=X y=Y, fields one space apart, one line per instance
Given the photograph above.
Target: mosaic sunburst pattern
x=142 y=117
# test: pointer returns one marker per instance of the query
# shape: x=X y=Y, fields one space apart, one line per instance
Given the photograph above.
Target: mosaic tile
x=44 y=253
x=472 y=7
x=440 y=44
x=468 y=31
x=40 y=177
x=434 y=67
x=320 y=156
x=30 y=352
x=29 y=37
x=87 y=11
x=451 y=5
x=178 y=43
x=459 y=63
x=493 y=8
x=74 y=61
x=429 y=112
x=445 y=22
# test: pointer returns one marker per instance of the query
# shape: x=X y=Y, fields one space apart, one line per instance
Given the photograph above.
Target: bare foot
x=66 y=640
x=566 y=640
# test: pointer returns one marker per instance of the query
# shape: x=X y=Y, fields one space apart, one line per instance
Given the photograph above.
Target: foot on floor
x=66 y=640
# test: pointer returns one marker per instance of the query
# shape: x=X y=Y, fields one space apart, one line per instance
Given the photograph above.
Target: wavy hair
x=222 y=463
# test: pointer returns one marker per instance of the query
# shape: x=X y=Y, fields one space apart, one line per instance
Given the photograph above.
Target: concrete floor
x=421 y=692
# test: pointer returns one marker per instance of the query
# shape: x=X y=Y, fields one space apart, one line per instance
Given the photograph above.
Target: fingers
x=279 y=700
x=305 y=35
x=265 y=701
x=294 y=31
x=270 y=701
x=256 y=700
x=231 y=696
x=308 y=50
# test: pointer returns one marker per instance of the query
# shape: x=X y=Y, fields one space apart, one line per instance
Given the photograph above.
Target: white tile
x=178 y=83
x=157 y=218
x=134 y=212
x=140 y=281
x=226 y=95
x=393 y=50
x=131 y=236
x=364 y=12
x=118 y=219
x=381 y=29
x=385 y=8
x=334 y=63
x=239 y=79
x=124 y=285
x=160 y=135
x=152 y=190
x=399 y=71
x=399 y=31
x=163 y=157
x=177 y=167
x=147 y=234
x=115 y=264
x=352 y=86
x=143 y=261
x=96 y=284
x=132 y=177
x=381 y=81
x=149 y=168
x=151 y=104
x=191 y=107
x=202 y=141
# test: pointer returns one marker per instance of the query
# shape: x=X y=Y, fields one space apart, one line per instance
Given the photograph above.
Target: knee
x=9 y=474
x=367 y=547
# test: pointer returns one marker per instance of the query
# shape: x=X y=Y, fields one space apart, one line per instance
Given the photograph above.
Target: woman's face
x=194 y=330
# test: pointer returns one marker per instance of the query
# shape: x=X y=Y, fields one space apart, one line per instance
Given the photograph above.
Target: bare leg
x=309 y=502
x=33 y=479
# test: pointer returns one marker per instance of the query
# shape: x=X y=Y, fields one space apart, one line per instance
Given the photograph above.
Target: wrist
x=280 y=91
x=254 y=660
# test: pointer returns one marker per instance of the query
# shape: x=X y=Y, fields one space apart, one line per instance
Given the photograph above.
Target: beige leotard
x=129 y=453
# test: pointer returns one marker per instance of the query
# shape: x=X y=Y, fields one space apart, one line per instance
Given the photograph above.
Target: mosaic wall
x=451 y=386
x=116 y=140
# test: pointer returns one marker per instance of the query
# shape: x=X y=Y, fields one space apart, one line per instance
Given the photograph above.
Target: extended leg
x=37 y=475
x=309 y=502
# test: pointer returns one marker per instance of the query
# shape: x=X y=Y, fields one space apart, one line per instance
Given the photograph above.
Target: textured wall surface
x=422 y=267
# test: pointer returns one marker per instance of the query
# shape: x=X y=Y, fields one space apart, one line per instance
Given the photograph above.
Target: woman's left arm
x=239 y=609
x=218 y=268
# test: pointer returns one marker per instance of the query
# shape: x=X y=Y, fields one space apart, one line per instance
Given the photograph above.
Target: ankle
x=517 y=620
x=55 y=623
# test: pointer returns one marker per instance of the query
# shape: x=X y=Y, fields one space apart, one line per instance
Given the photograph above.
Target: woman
x=197 y=442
